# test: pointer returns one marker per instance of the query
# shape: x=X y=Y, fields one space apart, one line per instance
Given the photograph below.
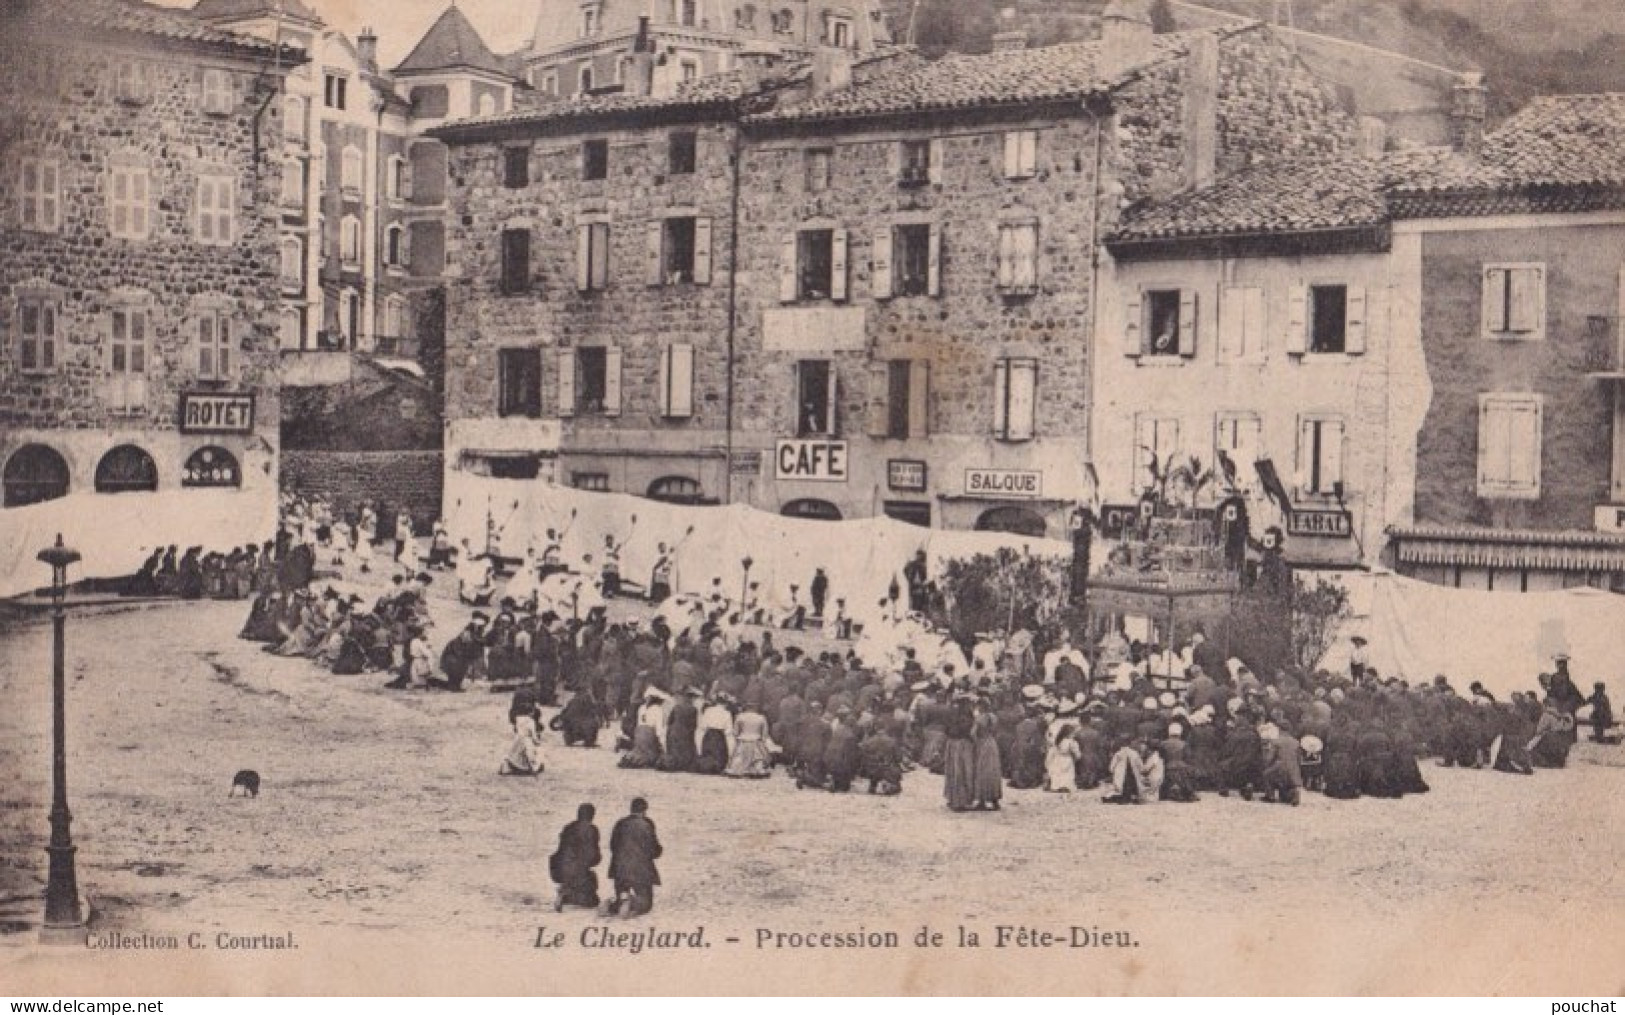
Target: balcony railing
x=397 y=347
x=1604 y=347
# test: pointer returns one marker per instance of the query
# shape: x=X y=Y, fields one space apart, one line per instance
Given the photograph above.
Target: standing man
x=819 y=591
x=633 y=849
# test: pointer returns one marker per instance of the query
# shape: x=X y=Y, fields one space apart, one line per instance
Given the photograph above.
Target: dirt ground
x=385 y=841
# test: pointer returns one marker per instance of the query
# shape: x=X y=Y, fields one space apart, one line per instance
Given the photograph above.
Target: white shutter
x=682 y=381
x=879 y=401
x=1012 y=154
x=1303 y=465
x=880 y=264
x=1023 y=399
x=1001 y=398
x=933 y=263
x=1354 y=324
x=1525 y=299
x=1027 y=255
x=1525 y=439
x=1187 y=322
x=1331 y=454
x=1494 y=300
x=583 y=257
x=600 y=255
x=832 y=415
x=919 y=398
x=664 y=380
x=1297 y=320
x=935 y=171
x=1007 y=256
x=653 y=235
x=567 y=382
x=612 y=381
x=837 y=265
x=787 y=271
x=702 y=251
x=1029 y=152
x=1132 y=332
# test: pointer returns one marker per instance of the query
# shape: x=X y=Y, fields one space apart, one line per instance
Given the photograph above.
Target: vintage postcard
x=811 y=496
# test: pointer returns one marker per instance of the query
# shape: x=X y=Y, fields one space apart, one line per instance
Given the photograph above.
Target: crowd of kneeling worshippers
x=710 y=695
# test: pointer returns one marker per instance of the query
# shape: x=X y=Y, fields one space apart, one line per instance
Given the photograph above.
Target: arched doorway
x=678 y=490
x=808 y=507
x=1015 y=520
x=126 y=469
x=34 y=474
x=211 y=466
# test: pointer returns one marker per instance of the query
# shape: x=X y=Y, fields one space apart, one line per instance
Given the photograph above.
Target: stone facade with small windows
x=139 y=193
x=590 y=287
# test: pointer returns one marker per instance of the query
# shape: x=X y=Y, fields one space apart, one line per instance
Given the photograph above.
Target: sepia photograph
x=812 y=497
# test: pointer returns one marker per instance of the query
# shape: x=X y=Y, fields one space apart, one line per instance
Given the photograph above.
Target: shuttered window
x=1509 y=446
x=40 y=195
x=677 y=381
x=215 y=207
x=1015 y=399
x=1018 y=257
x=36 y=334
x=131 y=210
x=1320 y=455
x=1241 y=324
x=1514 y=301
x=592 y=256
x=515 y=260
x=215 y=361
x=1020 y=154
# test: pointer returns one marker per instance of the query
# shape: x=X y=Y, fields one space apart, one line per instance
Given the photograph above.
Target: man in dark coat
x=841 y=753
x=571 y=865
x=1241 y=760
x=814 y=742
x=880 y=760
x=580 y=720
x=633 y=849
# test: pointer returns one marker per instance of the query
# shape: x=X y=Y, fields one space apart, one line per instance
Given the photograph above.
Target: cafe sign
x=1004 y=484
x=906 y=475
x=207 y=412
x=818 y=461
x=1329 y=524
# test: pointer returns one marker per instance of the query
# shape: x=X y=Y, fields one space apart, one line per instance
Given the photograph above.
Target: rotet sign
x=819 y=461
x=208 y=412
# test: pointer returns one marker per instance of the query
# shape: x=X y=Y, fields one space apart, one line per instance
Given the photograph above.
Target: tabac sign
x=1333 y=524
x=216 y=413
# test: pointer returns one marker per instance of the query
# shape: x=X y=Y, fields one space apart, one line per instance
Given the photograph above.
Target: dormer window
x=685 y=12
x=589 y=21
x=838 y=32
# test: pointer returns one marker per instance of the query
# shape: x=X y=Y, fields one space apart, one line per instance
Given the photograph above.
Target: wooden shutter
x=919 y=398
x=1524 y=299
x=1023 y=399
x=933 y=262
x=1001 y=399
x=1493 y=300
x=677 y=381
x=702 y=251
x=787 y=273
x=612 y=381
x=832 y=416
x=600 y=255
x=1007 y=256
x=878 y=415
x=935 y=170
x=1232 y=324
x=1029 y=152
x=584 y=257
x=880 y=263
x=1133 y=333
x=1187 y=322
x=1012 y=154
x=1354 y=324
x=567 y=382
x=1331 y=454
x=1524 y=438
x=837 y=265
x=1297 y=320
x=654 y=235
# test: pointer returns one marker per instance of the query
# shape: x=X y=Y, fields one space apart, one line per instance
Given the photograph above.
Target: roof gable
x=242 y=10
x=451 y=42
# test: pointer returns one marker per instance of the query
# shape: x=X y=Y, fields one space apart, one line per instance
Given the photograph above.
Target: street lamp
x=62 y=909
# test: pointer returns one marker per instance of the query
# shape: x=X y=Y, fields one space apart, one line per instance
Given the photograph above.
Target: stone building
x=1520 y=241
x=919 y=262
x=138 y=291
x=586 y=47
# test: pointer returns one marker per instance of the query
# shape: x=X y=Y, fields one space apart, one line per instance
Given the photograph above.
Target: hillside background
x=1526 y=47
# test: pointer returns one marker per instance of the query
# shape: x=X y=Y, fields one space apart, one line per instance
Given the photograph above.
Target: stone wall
x=349 y=478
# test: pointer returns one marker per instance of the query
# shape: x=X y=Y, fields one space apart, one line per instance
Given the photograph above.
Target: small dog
x=248 y=781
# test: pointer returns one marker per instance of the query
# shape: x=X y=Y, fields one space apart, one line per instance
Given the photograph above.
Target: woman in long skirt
x=751 y=758
x=959 y=756
x=1061 y=760
x=715 y=723
x=571 y=865
x=989 y=778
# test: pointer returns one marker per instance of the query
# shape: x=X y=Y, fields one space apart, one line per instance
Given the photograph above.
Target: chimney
x=639 y=78
x=1467 y=115
x=1009 y=38
x=1125 y=37
x=1202 y=111
x=831 y=69
x=366 y=46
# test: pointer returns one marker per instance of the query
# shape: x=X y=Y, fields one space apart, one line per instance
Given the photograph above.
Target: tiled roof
x=230 y=10
x=710 y=91
x=1559 y=153
x=960 y=81
x=1298 y=195
x=452 y=42
x=135 y=18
